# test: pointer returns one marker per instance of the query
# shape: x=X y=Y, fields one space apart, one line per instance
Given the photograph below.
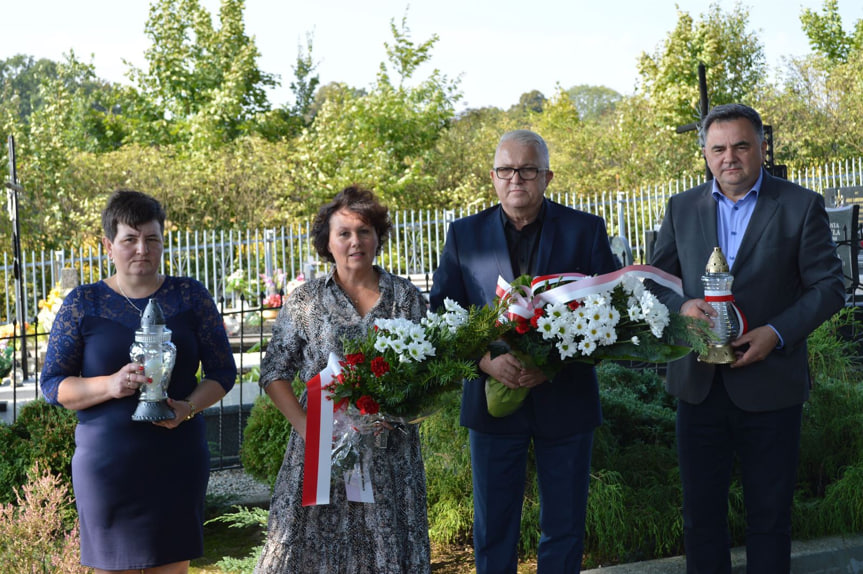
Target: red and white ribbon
x=319 y=435
x=727 y=297
x=573 y=286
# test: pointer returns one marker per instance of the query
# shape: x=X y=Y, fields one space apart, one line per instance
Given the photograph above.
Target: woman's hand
x=182 y=409
x=127 y=381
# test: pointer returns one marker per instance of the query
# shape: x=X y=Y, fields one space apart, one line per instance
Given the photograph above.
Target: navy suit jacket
x=786 y=274
x=474 y=256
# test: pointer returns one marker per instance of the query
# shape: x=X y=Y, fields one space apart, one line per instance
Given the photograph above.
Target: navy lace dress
x=139 y=488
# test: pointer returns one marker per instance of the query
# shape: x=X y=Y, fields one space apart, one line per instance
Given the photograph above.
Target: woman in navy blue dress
x=139 y=486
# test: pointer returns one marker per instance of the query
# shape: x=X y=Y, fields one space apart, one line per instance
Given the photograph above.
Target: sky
x=497 y=49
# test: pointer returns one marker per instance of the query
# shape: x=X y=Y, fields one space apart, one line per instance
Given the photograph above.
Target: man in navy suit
x=787 y=281
x=525 y=234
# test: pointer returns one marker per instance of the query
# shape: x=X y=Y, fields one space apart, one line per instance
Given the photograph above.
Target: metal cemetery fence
x=413 y=250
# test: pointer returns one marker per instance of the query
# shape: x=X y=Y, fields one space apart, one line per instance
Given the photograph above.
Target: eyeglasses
x=525 y=173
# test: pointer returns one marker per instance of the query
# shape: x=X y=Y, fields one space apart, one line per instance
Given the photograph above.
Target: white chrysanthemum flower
x=451 y=306
x=432 y=320
x=611 y=316
x=567 y=348
x=595 y=300
x=397 y=345
x=633 y=285
x=546 y=326
x=417 y=352
x=635 y=340
x=596 y=314
x=592 y=331
x=579 y=327
x=382 y=344
x=557 y=310
x=580 y=313
x=655 y=313
x=607 y=336
x=587 y=346
x=563 y=329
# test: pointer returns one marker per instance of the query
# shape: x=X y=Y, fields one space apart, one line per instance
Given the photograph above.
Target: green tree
x=305 y=83
x=383 y=140
x=817 y=104
x=826 y=35
x=203 y=82
x=593 y=102
x=529 y=102
x=732 y=54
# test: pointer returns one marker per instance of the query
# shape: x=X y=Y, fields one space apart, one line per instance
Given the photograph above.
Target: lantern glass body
x=158 y=361
x=725 y=325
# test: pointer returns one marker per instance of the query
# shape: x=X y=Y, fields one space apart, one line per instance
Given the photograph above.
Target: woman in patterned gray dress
x=391 y=534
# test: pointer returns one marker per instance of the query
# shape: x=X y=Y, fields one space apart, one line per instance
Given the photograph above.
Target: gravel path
x=238 y=486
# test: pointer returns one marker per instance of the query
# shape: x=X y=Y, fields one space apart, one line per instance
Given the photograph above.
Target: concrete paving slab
x=832 y=555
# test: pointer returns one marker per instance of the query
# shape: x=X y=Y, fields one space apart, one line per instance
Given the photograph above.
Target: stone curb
x=832 y=555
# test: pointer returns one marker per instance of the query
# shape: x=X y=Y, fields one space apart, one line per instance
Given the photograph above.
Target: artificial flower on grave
x=272 y=301
x=396 y=374
x=6 y=358
x=48 y=308
x=7 y=347
x=558 y=319
x=239 y=282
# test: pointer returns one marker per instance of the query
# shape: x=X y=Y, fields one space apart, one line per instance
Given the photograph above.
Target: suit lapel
x=706 y=212
x=546 y=240
x=494 y=232
x=765 y=210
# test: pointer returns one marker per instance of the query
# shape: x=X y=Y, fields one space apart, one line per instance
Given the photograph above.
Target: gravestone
x=839 y=196
x=844 y=228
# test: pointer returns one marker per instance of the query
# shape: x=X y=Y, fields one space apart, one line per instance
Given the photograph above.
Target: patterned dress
x=389 y=536
x=139 y=488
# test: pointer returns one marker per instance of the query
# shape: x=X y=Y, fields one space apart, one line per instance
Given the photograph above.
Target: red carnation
x=355 y=359
x=573 y=305
x=522 y=328
x=367 y=405
x=379 y=366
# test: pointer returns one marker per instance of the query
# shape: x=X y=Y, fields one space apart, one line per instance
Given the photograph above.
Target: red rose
x=355 y=359
x=573 y=305
x=379 y=366
x=367 y=405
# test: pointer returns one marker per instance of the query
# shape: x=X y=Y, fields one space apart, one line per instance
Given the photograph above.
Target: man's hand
x=508 y=370
x=761 y=340
x=699 y=309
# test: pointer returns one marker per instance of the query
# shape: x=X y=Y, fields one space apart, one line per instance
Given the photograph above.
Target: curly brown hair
x=360 y=201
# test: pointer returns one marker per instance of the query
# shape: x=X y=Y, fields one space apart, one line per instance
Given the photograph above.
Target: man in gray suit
x=787 y=281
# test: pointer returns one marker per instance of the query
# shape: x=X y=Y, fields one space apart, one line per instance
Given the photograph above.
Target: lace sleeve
x=65 y=352
x=217 y=360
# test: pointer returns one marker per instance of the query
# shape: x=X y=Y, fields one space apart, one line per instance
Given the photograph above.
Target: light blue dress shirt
x=732 y=219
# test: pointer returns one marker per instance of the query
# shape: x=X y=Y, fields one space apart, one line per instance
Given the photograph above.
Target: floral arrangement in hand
x=397 y=374
x=402 y=369
x=559 y=319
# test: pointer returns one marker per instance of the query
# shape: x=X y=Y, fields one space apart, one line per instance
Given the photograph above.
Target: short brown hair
x=132 y=208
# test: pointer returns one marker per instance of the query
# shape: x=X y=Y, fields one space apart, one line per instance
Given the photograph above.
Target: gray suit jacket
x=786 y=273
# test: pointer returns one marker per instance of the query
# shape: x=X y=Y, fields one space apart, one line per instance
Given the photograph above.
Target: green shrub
x=446 y=454
x=634 y=508
x=43 y=434
x=37 y=533
x=265 y=440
